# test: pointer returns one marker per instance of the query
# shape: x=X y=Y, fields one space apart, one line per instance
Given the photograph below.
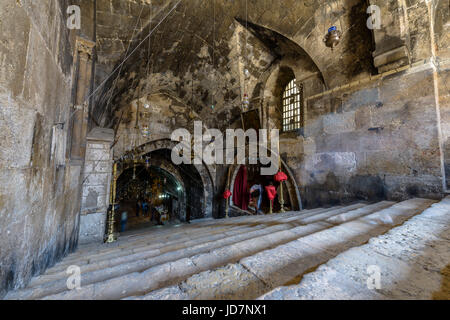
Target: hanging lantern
x=271 y=192
x=245 y=102
x=227 y=194
x=280 y=176
x=332 y=38
x=247 y=74
x=145 y=131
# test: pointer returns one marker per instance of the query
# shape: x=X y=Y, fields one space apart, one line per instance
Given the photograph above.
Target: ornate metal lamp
x=111 y=237
x=245 y=102
x=226 y=195
x=281 y=177
x=145 y=130
x=246 y=74
x=332 y=38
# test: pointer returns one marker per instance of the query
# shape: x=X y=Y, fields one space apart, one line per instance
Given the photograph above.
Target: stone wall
x=39 y=195
x=441 y=29
x=376 y=140
x=201 y=66
x=96 y=185
x=443 y=79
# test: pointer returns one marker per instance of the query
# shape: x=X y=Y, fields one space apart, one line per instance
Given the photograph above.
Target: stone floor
x=413 y=260
x=313 y=254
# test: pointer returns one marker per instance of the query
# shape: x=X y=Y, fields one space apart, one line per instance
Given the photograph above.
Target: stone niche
x=96 y=185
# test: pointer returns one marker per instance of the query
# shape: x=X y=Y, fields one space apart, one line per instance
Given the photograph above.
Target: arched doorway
x=150 y=195
x=181 y=193
x=291 y=193
x=203 y=175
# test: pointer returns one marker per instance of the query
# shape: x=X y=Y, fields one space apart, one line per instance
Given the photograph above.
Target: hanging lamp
x=333 y=37
x=245 y=102
x=247 y=74
x=145 y=130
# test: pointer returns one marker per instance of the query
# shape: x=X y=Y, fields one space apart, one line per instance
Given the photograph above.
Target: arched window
x=292 y=107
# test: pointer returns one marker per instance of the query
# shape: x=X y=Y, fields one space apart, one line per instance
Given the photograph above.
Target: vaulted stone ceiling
x=115 y=25
x=118 y=21
x=181 y=59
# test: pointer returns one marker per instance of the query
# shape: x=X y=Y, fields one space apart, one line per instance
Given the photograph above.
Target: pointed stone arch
x=205 y=171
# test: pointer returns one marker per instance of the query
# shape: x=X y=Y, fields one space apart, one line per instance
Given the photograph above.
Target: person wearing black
x=188 y=215
x=138 y=207
x=144 y=208
x=156 y=216
x=256 y=198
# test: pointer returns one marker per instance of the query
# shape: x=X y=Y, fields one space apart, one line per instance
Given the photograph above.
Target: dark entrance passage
x=151 y=191
x=148 y=196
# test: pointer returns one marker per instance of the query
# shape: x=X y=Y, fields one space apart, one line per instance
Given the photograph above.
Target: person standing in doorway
x=144 y=208
x=123 y=221
x=256 y=198
x=138 y=207
x=154 y=214
x=188 y=215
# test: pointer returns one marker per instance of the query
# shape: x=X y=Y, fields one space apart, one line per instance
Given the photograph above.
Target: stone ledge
x=101 y=134
x=392 y=59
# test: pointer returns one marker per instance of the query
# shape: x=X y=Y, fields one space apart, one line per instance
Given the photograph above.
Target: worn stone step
x=352 y=215
x=157 y=232
x=145 y=253
x=136 y=262
x=123 y=246
x=359 y=211
x=120 y=246
x=185 y=229
x=129 y=256
x=412 y=264
x=170 y=272
x=147 y=244
x=259 y=273
x=139 y=265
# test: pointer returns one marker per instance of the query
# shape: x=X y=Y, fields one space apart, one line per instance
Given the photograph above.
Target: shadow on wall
x=447 y=162
x=15 y=274
x=334 y=191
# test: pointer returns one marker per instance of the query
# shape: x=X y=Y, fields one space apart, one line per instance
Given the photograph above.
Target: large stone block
x=15 y=26
x=408 y=85
x=332 y=162
x=97 y=179
x=92 y=166
x=17 y=125
x=360 y=98
x=92 y=227
x=328 y=143
x=339 y=122
x=97 y=155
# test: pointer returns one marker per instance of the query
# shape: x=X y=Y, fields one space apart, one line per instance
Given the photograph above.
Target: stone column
x=96 y=185
x=82 y=83
x=392 y=39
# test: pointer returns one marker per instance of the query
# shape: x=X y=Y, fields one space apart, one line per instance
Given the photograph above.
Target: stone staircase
x=413 y=260
x=239 y=258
